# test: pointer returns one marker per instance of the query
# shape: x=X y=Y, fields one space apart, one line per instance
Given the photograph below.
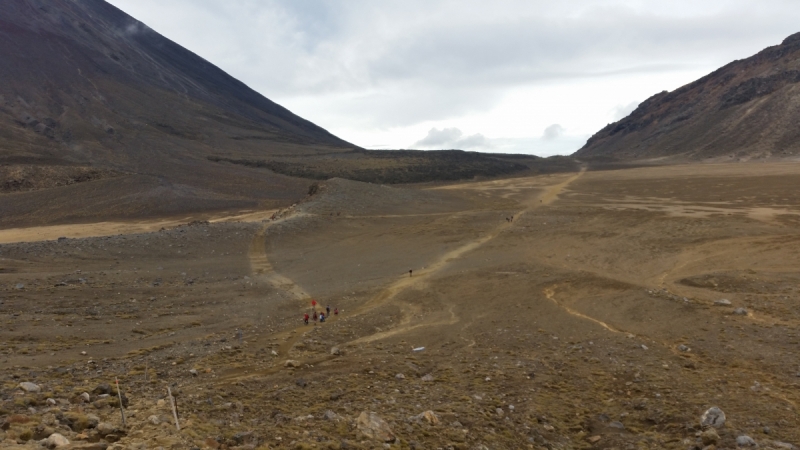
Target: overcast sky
x=524 y=76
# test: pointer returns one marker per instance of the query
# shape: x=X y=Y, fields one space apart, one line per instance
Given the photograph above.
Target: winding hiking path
x=263 y=269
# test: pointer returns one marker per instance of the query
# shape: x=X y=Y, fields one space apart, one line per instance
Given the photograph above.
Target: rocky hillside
x=86 y=90
x=747 y=109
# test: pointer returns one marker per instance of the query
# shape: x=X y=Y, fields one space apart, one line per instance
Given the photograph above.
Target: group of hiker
x=322 y=316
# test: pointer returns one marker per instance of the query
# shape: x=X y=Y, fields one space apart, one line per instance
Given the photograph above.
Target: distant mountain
x=103 y=118
x=82 y=81
x=747 y=109
x=82 y=84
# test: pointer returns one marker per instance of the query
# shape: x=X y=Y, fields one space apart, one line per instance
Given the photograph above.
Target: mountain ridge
x=741 y=111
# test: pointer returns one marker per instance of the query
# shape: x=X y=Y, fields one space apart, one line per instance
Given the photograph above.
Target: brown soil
x=589 y=321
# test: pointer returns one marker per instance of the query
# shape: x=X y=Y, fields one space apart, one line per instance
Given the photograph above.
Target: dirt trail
x=85 y=230
x=550 y=294
x=263 y=268
x=550 y=195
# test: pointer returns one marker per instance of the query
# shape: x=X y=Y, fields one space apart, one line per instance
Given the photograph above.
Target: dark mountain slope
x=747 y=109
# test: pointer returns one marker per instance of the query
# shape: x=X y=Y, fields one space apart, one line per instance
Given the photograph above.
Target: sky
x=512 y=76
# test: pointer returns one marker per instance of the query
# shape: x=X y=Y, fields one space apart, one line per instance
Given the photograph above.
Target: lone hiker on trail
x=410 y=271
x=305 y=318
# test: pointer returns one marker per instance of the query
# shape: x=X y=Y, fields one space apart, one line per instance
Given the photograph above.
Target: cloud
x=383 y=65
x=553 y=132
x=452 y=138
x=623 y=111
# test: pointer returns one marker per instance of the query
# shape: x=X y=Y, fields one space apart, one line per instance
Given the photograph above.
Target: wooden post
x=174 y=411
x=121 y=409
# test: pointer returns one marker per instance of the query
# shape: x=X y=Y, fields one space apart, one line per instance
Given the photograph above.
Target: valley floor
x=611 y=312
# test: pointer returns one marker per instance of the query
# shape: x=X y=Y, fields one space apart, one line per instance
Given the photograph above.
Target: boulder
x=332 y=416
x=740 y=311
x=102 y=389
x=713 y=417
x=428 y=378
x=373 y=427
x=722 y=302
x=291 y=363
x=56 y=440
x=400 y=376
x=27 y=386
x=104 y=428
x=745 y=441
x=709 y=437
x=428 y=416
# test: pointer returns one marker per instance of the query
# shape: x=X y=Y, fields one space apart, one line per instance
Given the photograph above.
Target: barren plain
x=596 y=309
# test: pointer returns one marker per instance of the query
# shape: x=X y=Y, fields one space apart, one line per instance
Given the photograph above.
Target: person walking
x=315 y=316
x=328 y=310
x=335 y=311
x=410 y=273
x=305 y=318
x=321 y=317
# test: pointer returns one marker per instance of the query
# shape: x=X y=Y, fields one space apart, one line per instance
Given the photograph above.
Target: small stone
x=335 y=351
x=291 y=363
x=105 y=428
x=429 y=416
x=722 y=302
x=51 y=401
x=428 y=378
x=56 y=440
x=27 y=386
x=161 y=402
x=332 y=416
x=709 y=437
x=154 y=420
x=745 y=441
x=83 y=353
x=766 y=430
x=400 y=376
x=740 y=311
x=102 y=389
x=617 y=425
x=713 y=417
x=193 y=372
x=684 y=348
x=301 y=382
x=594 y=439
x=644 y=347
x=274 y=353
x=548 y=427
x=373 y=427
x=20 y=286
x=85 y=397
x=500 y=412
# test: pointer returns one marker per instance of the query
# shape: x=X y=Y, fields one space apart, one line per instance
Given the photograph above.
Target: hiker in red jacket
x=305 y=318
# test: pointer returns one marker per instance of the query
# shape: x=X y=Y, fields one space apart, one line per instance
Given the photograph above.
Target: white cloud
x=389 y=70
x=623 y=111
x=553 y=132
x=452 y=138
